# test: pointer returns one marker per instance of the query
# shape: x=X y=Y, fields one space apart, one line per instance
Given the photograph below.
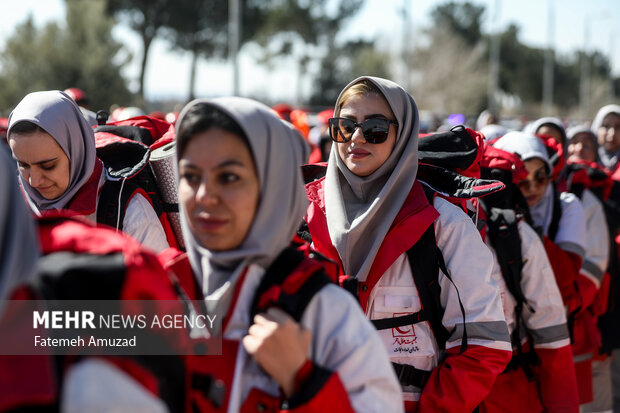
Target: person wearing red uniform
x=367 y=212
x=561 y=219
x=241 y=199
x=57 y=160
x=541 y=375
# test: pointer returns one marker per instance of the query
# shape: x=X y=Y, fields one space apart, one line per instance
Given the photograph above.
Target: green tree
x=344 y=63
x=451 y=70
x=81 y=55
x=200 y=27
x=148 y=18
x=462 y=19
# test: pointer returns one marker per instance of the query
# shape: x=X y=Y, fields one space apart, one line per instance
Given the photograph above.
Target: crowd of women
x=395 y=295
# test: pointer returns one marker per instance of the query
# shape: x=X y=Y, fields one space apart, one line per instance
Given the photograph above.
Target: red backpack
x=127 y=150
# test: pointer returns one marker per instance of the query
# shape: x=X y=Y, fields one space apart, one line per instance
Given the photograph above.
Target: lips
x=210 y=224
x=358 y=153
x=42 y=189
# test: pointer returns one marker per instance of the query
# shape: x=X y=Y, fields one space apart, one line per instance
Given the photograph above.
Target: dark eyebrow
x=377 y=115
x=371 y=116
x=40 y=162
x=224 y=164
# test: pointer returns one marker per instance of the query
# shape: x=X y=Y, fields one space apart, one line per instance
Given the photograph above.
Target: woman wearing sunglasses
x=367 y=212
x=561 y=219
x=241 y=199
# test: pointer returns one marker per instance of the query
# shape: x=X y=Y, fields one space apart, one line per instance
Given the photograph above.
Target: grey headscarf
x=608 y=159
x=58 y=114
x=278 y=151
x=19 y=250
x=360 y=210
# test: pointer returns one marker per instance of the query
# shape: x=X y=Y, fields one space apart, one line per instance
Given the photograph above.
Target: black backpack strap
x=504 y=235
x=108 y=212
x=432 y=295
x=295 y=303
x=411 y=376
x=556 y=215
x=424 y=261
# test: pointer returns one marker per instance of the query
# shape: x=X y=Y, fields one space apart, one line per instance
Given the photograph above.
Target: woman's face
x=533 y=188
x=552 y=131
x=218 y=188
x=41 y=162
x=609 y=133
x=582 y=147
x=363 y=158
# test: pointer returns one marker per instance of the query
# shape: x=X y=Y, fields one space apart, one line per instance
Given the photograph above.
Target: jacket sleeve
x=318 y=389
x=141 y=222
x=351 y=365
x=555 y=372
x=566 y=266
x=463 y=380
x=556 y=378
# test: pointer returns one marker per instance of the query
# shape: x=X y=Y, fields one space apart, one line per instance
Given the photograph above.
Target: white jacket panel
x=571 y=234
x=470 y=263
x=343 y=340
x=547 y=324
x=597 y=238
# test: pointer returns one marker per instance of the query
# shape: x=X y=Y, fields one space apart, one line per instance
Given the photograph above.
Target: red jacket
x=317 y=388
x=33 y=380
x=461 y=381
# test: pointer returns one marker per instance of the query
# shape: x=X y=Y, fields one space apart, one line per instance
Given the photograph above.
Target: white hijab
x=608 y=159
x=56 y=113
x=529 y=146
x=278 y=151
x=361 y=210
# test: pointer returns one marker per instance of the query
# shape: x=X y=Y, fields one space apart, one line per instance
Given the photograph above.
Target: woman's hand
x=279 y=345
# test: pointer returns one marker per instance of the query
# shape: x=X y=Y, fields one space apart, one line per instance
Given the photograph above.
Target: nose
x=34 y=177
x=207 y=194
x=358 y=135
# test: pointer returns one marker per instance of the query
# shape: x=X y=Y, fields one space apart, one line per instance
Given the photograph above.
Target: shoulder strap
x=505 y=238
x=426 y=259
x=557 y=214
x=108 y=211
x=289 y=283
x=424 y=262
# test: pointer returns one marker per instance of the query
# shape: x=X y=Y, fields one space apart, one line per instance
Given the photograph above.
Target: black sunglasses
x=375 y=130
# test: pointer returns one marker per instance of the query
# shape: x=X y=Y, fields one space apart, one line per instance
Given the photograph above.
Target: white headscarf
x=278 y=151
x=608 y=159
x=537 y=124
x=19 y=249
x=56 y=113
x=529 y=146
x=360 y=210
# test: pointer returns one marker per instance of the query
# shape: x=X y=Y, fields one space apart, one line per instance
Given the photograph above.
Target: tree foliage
x=149 y=18
x=344 y=63
x=82 y=54
x=462 y=19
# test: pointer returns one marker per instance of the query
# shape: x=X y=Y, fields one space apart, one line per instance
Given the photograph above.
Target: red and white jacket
x=459 y=382
x=555 y=389
x=348 y=369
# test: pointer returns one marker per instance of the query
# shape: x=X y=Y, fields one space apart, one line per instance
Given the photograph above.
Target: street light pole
x=494 y=54
x=234 y=39
x=547 y=108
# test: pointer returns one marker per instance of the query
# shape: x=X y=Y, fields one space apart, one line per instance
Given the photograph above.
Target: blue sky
x=168 y=71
